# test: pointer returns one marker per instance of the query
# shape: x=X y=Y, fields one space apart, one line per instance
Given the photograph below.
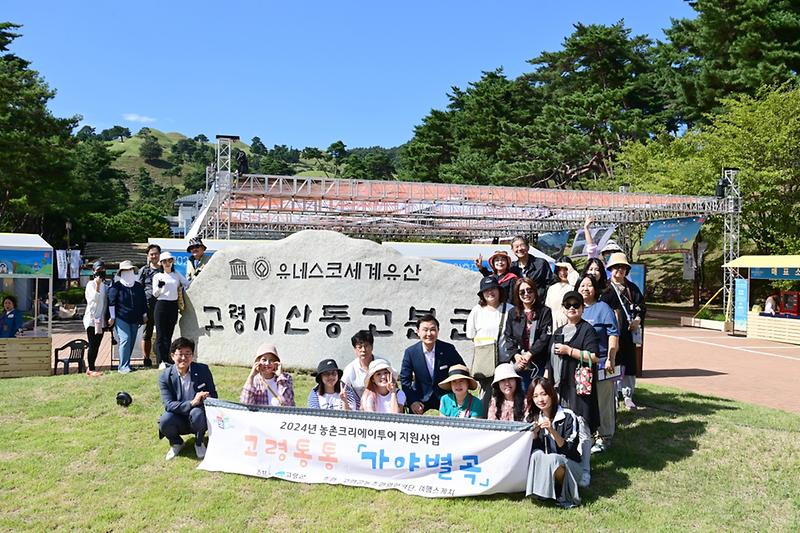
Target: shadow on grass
x=680 y=373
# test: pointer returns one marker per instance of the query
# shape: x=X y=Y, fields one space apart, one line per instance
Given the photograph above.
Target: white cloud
x=135 y=117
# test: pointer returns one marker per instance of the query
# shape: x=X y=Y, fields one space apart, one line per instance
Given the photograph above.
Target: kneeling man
x=184 y=387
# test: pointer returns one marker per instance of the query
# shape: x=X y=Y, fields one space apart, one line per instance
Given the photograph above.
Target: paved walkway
x=715 y=363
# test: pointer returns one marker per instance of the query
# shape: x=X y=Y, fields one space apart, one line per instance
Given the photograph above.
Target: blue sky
x=298 y=73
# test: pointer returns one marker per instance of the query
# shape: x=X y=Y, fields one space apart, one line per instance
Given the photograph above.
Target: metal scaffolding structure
x=729 y=188
x=255 y=206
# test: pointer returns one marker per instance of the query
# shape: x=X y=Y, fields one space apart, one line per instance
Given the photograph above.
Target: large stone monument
x=310 y=292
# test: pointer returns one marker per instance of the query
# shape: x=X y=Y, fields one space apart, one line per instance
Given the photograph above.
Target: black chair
x=76 y=349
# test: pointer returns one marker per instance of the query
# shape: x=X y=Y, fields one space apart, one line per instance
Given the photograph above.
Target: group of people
x=553 y=367
x=152 y=298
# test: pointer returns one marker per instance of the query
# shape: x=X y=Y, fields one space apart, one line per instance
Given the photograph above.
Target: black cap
x=124 y=399
x=572 y=296
x=487 y=283
x=98 y=265
x=326 y=365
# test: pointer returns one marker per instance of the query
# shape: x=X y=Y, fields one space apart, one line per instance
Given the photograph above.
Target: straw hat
x=377 y=365
x=458 y=372
x=505 y=371
x=617 y=258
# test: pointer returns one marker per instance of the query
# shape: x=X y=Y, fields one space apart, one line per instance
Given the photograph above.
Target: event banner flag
x=671 y=236
x=426 y=456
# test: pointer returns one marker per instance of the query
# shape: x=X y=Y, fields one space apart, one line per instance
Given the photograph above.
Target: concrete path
x=715 y=363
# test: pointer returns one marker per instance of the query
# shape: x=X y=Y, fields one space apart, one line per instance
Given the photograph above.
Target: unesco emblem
x=261 y=268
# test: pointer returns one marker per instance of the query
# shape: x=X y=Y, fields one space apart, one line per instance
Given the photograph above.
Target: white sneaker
x=200 y=450
x=162 y=366
x=173 y=451
x=599 y=447
x=585 y=479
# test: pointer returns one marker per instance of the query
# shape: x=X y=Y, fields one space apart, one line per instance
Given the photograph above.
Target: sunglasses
x=572 y=306
x=527 y=290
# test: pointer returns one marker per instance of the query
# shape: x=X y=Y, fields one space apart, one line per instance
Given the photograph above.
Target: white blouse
x=171 y=281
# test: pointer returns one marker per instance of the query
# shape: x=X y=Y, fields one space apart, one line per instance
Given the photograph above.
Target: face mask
x=128 y=278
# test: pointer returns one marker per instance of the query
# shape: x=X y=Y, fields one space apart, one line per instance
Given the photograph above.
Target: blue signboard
x=671 y=236
x=741 y=303
x=775 y=273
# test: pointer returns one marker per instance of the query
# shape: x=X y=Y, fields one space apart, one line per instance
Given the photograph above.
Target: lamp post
x=68 y=225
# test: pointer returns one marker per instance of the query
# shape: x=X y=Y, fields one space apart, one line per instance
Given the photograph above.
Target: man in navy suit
x=184 y=387
x=425 y=364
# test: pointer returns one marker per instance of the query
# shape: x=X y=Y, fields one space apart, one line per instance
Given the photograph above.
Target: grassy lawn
x=72 y=459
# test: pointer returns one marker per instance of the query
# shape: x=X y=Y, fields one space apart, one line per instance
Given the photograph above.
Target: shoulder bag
x=484 y=358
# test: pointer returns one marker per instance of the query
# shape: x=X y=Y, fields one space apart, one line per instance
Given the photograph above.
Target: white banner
x=433 y=457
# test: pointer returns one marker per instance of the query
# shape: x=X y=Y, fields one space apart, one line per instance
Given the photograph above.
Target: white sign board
x=418 y=455
x=309 y=293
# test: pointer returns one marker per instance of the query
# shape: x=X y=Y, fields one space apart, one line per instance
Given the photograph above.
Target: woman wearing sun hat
x=381 y=393
x=331 y=392
x=127 y=305
x=167 y=285
x=627 y=301
x=508 y=399
x=267 y=383
x=459 y=403
x=500 y=265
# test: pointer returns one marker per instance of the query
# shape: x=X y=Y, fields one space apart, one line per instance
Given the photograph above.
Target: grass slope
x=73 y=460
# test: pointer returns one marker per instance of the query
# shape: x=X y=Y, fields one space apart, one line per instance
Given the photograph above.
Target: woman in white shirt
x=166 y=287
x=485 y=325
x=566 y=277
x=94 y=319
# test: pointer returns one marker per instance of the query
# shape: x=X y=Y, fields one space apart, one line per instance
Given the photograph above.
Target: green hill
x=130 y=161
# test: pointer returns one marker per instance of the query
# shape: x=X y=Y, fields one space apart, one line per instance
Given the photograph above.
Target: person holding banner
x=425 y=364
x=573 y=370
x=508 y=398
x=184 y=387
x=604 y=322
x=459 y=403
x=625 y=298
x=381 y=394
x=485 y=326
x=331 y=392
x=555 y=461
x=267 y=384
x=527 y=333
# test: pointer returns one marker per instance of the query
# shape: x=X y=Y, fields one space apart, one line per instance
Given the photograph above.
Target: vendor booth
x=25 y=259
x=782 y=323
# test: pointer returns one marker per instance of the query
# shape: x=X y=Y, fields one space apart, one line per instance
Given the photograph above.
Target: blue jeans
x=126 y=332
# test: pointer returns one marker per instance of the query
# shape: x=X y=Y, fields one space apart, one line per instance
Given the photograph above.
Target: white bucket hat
x=164 y=256
x=505 y=371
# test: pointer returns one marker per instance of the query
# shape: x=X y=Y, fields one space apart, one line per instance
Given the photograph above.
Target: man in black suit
x=425 y=365
x=184 y=387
